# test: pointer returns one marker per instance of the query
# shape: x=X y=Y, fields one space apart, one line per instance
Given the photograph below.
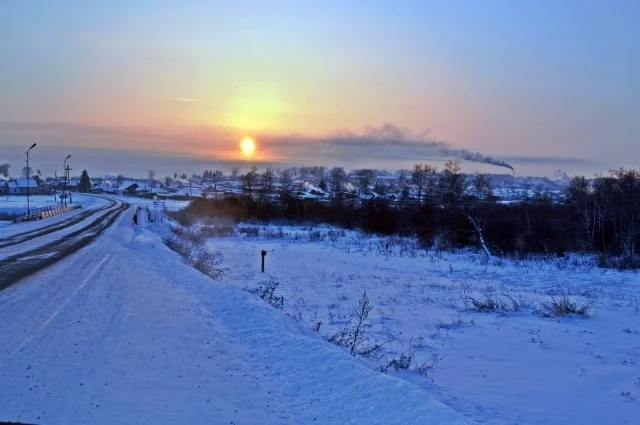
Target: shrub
x=206 y=262
x=178 y=245
x=267 y=291
x=564 y=305
x=354 y=334
x=193 y=236
x=218 y=231
x=404 y=362
x=249 y=231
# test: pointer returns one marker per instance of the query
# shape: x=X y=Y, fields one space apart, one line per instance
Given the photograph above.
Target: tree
x=235 y=171
x=475 y=207
x=249 y=180
x=27 y=172
x=120 y=179
x=183 y=176
x=423 y=177
x=338 y=180
x=365 y=176
x=579 y=196
x=4 y=170
x=451 y=184
x=168 y=181
x=380 y=189
x=175 y=176
x=286 y=178
x=267 y=181
x=85 y=182
x=323 y=185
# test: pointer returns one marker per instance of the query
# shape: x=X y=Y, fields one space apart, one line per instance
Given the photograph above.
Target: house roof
x=23 y=183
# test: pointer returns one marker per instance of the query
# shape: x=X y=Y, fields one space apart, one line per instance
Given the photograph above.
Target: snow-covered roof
x=23 y=183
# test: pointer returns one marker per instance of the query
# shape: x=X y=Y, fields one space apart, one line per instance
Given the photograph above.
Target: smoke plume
x=475 y=157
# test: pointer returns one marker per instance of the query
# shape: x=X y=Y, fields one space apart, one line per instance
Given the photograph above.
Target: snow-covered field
x=495 y=367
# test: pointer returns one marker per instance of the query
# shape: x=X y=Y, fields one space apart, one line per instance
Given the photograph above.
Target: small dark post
x=264 y=253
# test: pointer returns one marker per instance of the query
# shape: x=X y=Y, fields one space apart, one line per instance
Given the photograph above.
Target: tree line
x=452 y=210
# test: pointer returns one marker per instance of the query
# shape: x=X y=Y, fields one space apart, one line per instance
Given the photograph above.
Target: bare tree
x=4 y=170
x=627 y=213
x=267 y=181
x=451 y=183
x=579 y=195
x=338 y=180
x=286 y=178
x=26 y=172
x=235 y=172
x=475 y=207
x=249 y=180
x=417 y=178
x=152 y=176
x=365 y=176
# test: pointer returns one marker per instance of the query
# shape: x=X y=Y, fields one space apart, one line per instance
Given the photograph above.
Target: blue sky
x=543 y=84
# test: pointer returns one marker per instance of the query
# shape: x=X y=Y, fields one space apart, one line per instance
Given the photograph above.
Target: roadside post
x=264 y=254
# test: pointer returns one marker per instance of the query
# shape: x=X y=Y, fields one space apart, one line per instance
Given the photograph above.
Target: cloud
x=182 y=99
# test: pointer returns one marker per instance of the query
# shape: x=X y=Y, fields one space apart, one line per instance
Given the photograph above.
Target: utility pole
x=28 y=181
x=66 y=176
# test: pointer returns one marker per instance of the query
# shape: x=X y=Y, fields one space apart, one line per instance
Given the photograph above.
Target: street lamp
x=66 y=174
x=28 y=182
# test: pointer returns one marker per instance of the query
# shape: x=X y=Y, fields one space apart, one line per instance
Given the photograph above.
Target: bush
x=249 y=231
x=208 y=263
x=195 y=255
x=267 y=291
x=620 y=263
x=187 y=234
x=218 y=231
x=354 y=335
x=178 y=245
x=564 y=305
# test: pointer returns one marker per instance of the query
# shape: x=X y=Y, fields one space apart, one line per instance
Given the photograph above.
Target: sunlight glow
x=247 y=146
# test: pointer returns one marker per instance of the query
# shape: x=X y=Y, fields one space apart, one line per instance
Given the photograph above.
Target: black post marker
x=264 y=253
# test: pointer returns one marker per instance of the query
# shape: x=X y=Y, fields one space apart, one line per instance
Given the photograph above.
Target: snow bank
x=322 y=382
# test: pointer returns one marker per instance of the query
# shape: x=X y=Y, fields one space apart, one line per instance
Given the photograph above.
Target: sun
x=247 y=146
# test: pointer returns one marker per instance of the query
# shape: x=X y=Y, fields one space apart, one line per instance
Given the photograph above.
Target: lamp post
x=66 y=174
x=28 y=182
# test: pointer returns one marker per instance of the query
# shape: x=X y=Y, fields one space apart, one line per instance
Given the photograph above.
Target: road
x=121 y=332
x=103 y=337
x=25 y=252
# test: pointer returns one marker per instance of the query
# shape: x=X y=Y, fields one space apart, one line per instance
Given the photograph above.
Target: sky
x=126 y=86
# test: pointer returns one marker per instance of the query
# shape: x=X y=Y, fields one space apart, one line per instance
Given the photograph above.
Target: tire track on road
x=24 y=264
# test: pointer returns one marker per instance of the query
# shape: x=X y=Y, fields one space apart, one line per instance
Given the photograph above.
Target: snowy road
x=29 y=251
x=122 y=332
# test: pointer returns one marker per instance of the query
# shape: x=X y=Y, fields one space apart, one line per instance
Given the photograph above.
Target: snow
x=169 y=204
x=497 y=368
x=123 y=332
x=88 y=202
x=17 y=204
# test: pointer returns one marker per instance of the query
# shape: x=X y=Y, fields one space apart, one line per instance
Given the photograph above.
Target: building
x=23 y=186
